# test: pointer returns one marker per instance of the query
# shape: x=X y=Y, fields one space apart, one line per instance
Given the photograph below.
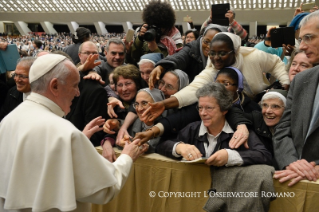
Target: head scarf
x=152 y=57
x=215 y=26
x=278 y=93
x=156 y=94
x=239 y=52
x=240 y=78
x=296 y=20
x=183 y=78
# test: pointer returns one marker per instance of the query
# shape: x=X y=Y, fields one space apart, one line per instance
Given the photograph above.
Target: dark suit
x=13 y=99
x=289 y=141
x=91 y=103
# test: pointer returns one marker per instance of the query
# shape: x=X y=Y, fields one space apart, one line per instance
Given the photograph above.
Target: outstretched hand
x=155 y=76
x=113 y=102
x=90 y=62
x=93 y=126
x=111 y=126
x=154 y=111
x=133 y=150
x=94 y=76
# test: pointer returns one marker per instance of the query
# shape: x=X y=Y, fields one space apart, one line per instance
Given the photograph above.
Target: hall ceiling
x=75 y=6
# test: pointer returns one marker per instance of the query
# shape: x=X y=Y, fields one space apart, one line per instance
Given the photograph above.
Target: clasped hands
x=298 y=170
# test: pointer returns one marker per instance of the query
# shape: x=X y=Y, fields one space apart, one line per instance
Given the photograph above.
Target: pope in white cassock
x=46 y=164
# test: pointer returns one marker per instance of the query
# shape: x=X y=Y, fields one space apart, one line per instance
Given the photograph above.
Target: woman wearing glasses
x=143 y=97
x=210 y=137
x=192 y=59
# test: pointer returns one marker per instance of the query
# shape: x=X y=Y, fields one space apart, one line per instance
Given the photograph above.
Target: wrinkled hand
x=189 y=152
x=288 y=49
x=111 y=126
x=147 y=135
x=111 y=105
x=120 y=135
x=133 y=150
x=155 y=76
x=230 y=16
x=304 y=169
x=108 y=151
x=154 y=111
x=286 y=175
x=219 y=158
x=90 y=62
x=94 y=76
x=93 y=126
x=124 y=140
x=240 y=137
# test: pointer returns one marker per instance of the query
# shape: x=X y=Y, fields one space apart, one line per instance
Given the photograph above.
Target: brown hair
x=127 y=72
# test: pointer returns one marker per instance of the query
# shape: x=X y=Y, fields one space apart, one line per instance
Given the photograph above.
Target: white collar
x=44 y=101
x=203 y=130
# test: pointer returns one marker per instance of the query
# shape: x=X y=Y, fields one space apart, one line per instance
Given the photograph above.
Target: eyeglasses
x=206 y=42
x=226 y=84
x=162 y=83
x=306 y=38
x=273 y=107
x=88 y=53
x=20 y=76
x=219 y=54
x=143 y=104
x=127 y=84
x=207 y=108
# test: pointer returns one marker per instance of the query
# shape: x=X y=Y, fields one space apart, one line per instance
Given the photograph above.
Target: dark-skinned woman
x=192 y=59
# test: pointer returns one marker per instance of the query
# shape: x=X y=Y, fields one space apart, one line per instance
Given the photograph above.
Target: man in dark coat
x=18 y=93
x=296 y=138
x=92 y=101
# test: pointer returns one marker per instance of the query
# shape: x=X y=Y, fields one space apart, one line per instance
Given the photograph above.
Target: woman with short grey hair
x=210 y=137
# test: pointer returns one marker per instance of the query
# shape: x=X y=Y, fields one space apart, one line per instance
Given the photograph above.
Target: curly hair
x=127 y=72
x=160 y=14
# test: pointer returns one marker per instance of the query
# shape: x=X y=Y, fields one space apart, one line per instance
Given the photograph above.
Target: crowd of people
x=204 y=95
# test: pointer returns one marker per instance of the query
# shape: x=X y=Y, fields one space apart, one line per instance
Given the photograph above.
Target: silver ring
x=235 y=137
x=190 y=155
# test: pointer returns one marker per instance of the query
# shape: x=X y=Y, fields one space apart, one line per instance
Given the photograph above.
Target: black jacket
x=13 y=99
x=91 y=103
x=104 y=70
x=182 y=117
x=256 y=154
x=188 y=60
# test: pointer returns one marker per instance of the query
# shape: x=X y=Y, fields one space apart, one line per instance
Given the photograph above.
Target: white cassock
x=46 y=164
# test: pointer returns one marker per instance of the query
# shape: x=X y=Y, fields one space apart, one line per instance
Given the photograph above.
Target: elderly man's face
x=115 y=56
x=146 y=69
x=310 y=43
x=21 y=78
x=69 y=89
x=87 y=49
